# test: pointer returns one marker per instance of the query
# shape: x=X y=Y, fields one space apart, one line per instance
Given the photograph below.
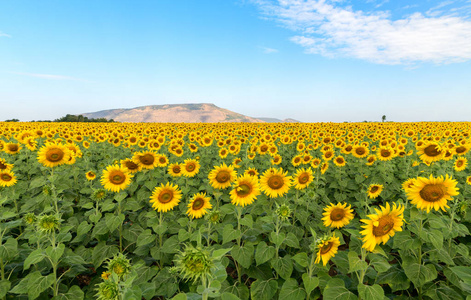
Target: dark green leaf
x=243 y=255
x=291 y=290
x=310 y=283
x=301 y=259
x=9 y=249
x=335 y=290
x=33 y=258
x=74 y=293
x=101 y=252
x=146 y=237
x=263 y=289
x=283 y=266
x=264 y=253
x=368 y=292
x=229 y=234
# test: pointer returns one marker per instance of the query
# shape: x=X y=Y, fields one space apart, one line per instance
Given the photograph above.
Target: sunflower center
x=459 y=163
x=339 y=160
x=460 y=149
x=197 y=204
x=337 y=214
x=385 y=225
x=263 y=148
x=360 y=151
x=6 y=177
x=432 y=150
x=371 y=159
x=275 y=182
x=326 y=248
x=165 y=197
x=176 y=169
x=190 y=167
x=2 y=166
x=385 y=153
x=328 y=154
x=162 y=160
x=117 y=177
x=131 y=166
x=303 y=178
x=374 y=189
x=243 y=190
x=13 y=147
x=223 y=176
x=432 y=192
x=147 y=159
x=55 y=155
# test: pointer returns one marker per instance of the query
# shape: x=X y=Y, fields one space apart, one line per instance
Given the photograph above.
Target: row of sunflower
x=229 y=211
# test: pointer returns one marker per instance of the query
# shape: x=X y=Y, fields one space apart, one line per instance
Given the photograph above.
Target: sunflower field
x=235 y=211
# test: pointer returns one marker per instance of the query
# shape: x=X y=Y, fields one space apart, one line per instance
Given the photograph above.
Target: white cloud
x=4 y=34
x=267 y=50
x=48 y=76
x=328 y=29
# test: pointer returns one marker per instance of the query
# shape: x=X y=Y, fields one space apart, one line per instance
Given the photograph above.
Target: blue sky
x=314 y=61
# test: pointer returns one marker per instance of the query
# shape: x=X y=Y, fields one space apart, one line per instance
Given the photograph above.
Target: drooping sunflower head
x=382 y=225
x=222 y=176
x=283 y=212
x=338 y=215
x=275 y=183
x=165 y=197
x=7 y=178
x=302 y=178
x=108 y=290
x=194 y=263
x=198 y=206
x=327 y=247
x=324 y=167
x=374 y=190
x=432 y=193
x=370 y=160
x=190 y=167
x=245 y=189
x=48 y=223
x=119 y=265
x=116 y=178
x=52 y=155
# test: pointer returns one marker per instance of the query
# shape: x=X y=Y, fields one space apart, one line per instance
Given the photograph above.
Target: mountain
x=173 y=113
x=275 y=120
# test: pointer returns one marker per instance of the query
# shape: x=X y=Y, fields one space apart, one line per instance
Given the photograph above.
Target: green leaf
x=335 y=290
x=264 y=253
x=283 y=266
x=113 y=221
x=171 y=245
x=229 y=234
x=100 y=228
x=263 y=289
x=433 y=236
x=229 y=296
x=291 y=290
x=464 y=275
x=146 y=237
x=368 y=292
x=301 y=259
x=418 y=273
x=9 y=249
x=38 y=284
x=70 y=258
x=277 y=239
x=310 y=283
x=38 y=181
x=183 y=235
x=355 y=263
x=84 y=228
x=33 y=258
x=55 y=253
x=291 y=240
x=247 y=221
x=379 y=263
x=4 y=287
x=443 y=292
x=132 y=233
x=180 y=296
x=101 y=252
x=74 y=293
x=218 y=254
x=243 y=255
x=395 y=278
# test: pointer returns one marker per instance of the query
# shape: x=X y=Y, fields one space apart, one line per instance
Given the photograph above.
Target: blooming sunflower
x=162 y=160
x=52 y=155
x=130 y=165
x=190 y=167
x=7 y=178
x=4 y=165
x=337 y=215
x=430 y=151
x=165 y=197
x=428 y=193
x=245 y=189
x=360 y=151
x=460 y=164
x=326 y=249
x=339 y=161
x=370 y=160
x=146 y=160
x=175 y=170
x=315 y=163
x=382 y=225
x=374 y=190
x=406 y=185
x=90 y=175
x=115 y=178
x=198 y=205
x=222 y=176
x=251 y=172
x=302 y=178
x=12 y=148
x=324 y=167
x=275 y=182
x=468 y=180
x=385 y=153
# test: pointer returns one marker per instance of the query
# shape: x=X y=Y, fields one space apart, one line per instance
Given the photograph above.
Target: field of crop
x=235 y=211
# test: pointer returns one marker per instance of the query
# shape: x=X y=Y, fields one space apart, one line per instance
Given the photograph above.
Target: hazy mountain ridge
x=178 y=113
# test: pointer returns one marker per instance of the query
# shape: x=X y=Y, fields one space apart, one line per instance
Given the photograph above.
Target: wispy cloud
x=328 y=29
x=48 y=76
x=267 y=50
x=4 y=34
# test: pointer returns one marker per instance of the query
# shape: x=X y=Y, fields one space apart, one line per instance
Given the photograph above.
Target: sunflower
x=296 y=160
x=130 y=165
x=245 y=189
x=251 y=172
x=374 y=190
x=324 y=167
x=302 y=178
x=381 y=226
x=339 y=161
x=165 y=197
x=370 y=160
x=462 y=149
x=4 y=165
x=276 y=159
x=460 y=164
x=162 y=160
x=52 y=155
x=90 y=175
x=385 y=153
x=406 y=185
x=198 y=205
x=146 y=160
x=275 y=183
x=315 y=163
x=175 y=170
x=468 y=180
x=190 y=168
x=430 y=152
x=7 y=178
x=327 y=248
x=360 y=151
x=12 y=148
x=222 y=176
x=223 y=152
x=328 y=155
x=428 y=193
x=115 y=178
x=337 y=215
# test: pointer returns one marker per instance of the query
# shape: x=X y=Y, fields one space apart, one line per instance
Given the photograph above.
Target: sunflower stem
x=209 y=233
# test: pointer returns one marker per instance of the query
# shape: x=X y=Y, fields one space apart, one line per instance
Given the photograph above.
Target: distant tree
x=12 y=120
x=383 y=118
x=80 y=118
